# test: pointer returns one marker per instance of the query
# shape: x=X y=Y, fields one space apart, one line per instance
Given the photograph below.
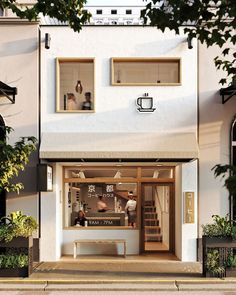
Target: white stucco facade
x=19 y=68
x=116 y=112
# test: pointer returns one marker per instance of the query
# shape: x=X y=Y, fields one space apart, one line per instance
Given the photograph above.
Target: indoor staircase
x=151 y=223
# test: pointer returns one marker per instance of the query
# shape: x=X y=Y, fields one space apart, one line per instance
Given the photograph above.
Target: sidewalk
x=170 y=284
x=109 y=274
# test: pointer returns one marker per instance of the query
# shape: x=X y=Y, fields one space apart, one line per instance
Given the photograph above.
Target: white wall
x=19 y=68
x=214 y=136
x=186 y=234
x=190 y=230
x=115 y=105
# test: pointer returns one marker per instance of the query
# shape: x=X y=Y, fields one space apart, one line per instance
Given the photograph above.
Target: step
x=149 y=203
x=150 y=215
x=149 y=209
x=151 y=222
x=150 y=231
x=153 y=237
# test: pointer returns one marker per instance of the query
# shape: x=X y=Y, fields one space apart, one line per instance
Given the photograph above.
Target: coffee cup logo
x=145 y=104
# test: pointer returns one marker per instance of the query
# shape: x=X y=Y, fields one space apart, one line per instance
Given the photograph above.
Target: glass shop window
x=104 y=204
x=75 y=85
x=146 y=71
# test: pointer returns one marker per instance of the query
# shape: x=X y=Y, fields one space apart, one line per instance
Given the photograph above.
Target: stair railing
x=161 y=209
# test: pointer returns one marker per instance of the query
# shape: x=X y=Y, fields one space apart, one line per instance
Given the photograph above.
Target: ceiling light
x=118 y=174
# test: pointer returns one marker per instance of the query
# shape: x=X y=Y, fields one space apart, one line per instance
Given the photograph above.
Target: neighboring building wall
x=215 y=121
x=19 y=68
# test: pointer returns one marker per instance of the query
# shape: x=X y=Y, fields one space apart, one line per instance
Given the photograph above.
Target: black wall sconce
x=47 y=40
x=145 y=104
x=190 y=45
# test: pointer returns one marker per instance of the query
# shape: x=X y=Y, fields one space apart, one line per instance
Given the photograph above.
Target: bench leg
x=75 y=249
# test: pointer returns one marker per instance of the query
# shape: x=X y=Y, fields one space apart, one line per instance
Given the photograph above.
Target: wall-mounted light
x=190 y=45
x=47 y=40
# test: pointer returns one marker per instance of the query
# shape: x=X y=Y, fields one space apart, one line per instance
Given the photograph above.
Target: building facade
x=124 y=107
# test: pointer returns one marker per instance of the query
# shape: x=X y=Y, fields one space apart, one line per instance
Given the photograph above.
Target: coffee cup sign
x=145 y=104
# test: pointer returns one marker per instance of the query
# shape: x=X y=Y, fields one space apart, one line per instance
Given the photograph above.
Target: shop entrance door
x=157 y=222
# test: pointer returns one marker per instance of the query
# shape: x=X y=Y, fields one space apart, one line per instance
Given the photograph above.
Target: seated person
x=101 y=205
x=80 y=220
x=87 y=104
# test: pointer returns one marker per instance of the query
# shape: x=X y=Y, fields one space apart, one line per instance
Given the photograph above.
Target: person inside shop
x=101 y=205
x=130 y=208
x=87 y=104
x=81 y=219
x=71 y=102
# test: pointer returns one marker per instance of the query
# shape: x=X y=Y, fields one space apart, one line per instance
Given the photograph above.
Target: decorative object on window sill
x=47 y=40
x=118 y=174
x=145 y=104
x=79 y=87
x=8 y=91
x=79 y=175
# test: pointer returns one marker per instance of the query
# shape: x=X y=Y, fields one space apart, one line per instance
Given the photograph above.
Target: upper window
x=113 y=11
x=75 y=85
x=146 y=71
x=99 y=11
x=128 y=11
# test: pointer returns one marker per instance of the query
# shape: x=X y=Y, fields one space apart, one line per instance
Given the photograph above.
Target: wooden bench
x=98 y=242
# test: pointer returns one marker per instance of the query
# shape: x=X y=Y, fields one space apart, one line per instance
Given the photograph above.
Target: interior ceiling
x=163 y=172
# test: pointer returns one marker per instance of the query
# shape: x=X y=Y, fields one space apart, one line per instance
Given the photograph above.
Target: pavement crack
x=177 y=285
x=45 y=287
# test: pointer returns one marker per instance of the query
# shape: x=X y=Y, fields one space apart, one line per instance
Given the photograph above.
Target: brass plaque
x=189 y=207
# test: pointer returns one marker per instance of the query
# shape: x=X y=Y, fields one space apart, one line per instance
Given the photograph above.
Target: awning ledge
x=118 y=145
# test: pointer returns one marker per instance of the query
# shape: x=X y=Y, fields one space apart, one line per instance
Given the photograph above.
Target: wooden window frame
x=145 y=59
x=138 y=180
x=60 y=60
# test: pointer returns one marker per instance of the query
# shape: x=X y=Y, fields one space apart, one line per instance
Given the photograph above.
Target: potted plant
x=221 y=234
x=16 y=244
x=230 y=265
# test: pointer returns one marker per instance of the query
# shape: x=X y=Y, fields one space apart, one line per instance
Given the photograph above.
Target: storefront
x=159 y=188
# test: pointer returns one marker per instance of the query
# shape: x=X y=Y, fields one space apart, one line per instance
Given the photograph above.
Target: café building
x=138 y=132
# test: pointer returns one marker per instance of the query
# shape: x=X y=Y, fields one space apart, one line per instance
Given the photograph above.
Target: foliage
x=13 y=260
x=211 y=22
x=13 y=159
x=231 y=261
x=228 y=173
x=17 y=225
x=221 y=227
x=65 y=11
x=213 y=263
